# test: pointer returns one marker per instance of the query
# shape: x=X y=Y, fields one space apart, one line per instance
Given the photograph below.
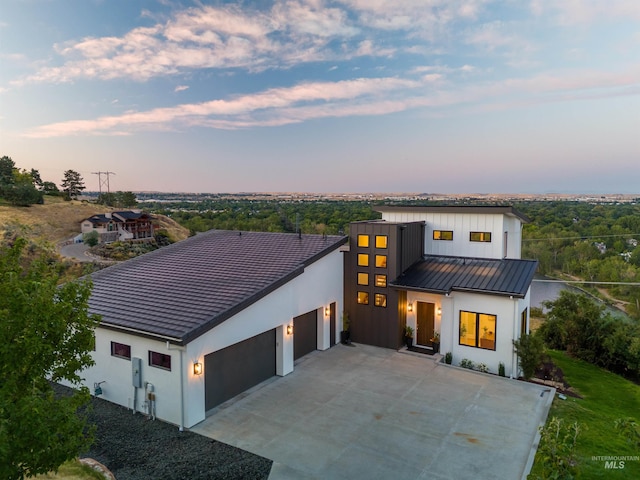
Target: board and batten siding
x=462 y=224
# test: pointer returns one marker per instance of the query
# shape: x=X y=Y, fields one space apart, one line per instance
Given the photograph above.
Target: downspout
x=181 y=350
x=514 y=361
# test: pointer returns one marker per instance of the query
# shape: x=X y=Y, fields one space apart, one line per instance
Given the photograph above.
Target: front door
x=425 y=323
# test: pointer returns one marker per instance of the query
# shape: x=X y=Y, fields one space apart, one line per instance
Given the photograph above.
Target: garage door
x=305 y=334
x=234 y=369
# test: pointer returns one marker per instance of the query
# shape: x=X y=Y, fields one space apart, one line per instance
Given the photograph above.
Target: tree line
x=21 y=187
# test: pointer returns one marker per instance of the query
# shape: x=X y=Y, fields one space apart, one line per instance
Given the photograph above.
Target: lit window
x=380 y=300
x=381 y=261
x=478 y=330
x=523 y=323
x=443 y=235
x=160 y=360
x=363 y=241
x=363 y=298
x=363 y=279
x=363 y=260
x=121 y=350
x=381 y=241
x=381 y=281
x=480 y=236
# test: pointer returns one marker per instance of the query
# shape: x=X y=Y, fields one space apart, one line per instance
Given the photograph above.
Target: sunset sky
x=440 y=96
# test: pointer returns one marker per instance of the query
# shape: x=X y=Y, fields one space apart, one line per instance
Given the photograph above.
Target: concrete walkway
x=373 y=413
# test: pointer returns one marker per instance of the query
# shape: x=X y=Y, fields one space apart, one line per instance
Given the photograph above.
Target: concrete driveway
x=373 y=413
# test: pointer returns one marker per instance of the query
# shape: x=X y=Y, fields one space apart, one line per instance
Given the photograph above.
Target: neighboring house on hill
x=452 y=270
x=191 y=325
x=123 y=225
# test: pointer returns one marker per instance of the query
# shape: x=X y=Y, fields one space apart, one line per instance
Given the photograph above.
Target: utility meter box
x=136 y=371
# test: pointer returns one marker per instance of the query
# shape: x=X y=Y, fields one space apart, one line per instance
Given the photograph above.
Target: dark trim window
x=120 y=350
x=480 y=236
x=380 y=300
x=381 y=261
x=443 y=235
x=363 y=260
x=160 y=360
x=381 y=281
x=363 y=298
x=363 y=241
x=478 y=330
x=523 y=323
x=381 y=241
x=363 y=278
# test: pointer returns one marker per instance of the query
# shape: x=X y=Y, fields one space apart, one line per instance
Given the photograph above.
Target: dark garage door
x=234 y=369
x=305 y=334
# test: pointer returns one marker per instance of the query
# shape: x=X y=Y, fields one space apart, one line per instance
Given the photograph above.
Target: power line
x=103 y=182
x=585 y=282
x=583 y=237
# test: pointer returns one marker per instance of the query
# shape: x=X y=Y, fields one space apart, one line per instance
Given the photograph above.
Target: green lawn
x=607 y=397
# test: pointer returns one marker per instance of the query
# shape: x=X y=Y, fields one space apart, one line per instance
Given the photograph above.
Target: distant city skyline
x=447 y=96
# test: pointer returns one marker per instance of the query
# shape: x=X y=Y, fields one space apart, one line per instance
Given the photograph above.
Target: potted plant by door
x=345 y=334
x=435 y=342
x=408 y=336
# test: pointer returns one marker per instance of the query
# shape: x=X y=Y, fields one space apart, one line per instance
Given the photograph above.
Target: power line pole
x=102 y=182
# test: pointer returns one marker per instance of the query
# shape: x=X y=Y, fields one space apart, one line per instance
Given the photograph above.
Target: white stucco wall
x=507 y=311
x=117 y=374
x=462 y=224
x=320 y=285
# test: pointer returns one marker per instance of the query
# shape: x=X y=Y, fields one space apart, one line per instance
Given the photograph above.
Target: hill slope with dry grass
x=57 y=220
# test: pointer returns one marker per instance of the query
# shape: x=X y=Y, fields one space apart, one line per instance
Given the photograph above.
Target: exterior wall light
x=327 y=311
x=409 y=307
x=439 y=311
x=289 y=329
x=197 y=368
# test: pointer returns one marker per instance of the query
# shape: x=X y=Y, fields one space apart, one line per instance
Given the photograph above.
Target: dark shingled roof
x=439 y=274
x=181 y=291
x=488 y=209
x=117 y=217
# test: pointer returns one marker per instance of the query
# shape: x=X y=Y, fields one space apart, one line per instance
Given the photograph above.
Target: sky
x=426 y=96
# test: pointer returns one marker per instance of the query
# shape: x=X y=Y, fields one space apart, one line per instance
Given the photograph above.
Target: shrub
x=557 y=445
x=501 y=369
x=481 y=367
x=448 y=358
x=91 y=238
x=466 y=363
x=530 y=350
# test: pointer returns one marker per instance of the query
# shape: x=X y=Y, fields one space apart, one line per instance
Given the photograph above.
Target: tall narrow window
x=363 y=279
x=381 y=241
x=381 y=261
x=363 y=260
x=443 y=235
x=523 y=323
x=363 y=241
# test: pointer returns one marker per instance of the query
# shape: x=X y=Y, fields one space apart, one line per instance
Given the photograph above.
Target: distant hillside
x=57 y=220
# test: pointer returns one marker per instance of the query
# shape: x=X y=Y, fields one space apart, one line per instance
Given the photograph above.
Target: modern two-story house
x=451 y=271
x=189 y=326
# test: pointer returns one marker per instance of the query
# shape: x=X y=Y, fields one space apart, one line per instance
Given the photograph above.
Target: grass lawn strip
x=606 y=397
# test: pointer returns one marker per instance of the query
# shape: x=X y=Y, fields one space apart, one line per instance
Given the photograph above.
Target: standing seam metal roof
x=441 y=274
x=181 y=291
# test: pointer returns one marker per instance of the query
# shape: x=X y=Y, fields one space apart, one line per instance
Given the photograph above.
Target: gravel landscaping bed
x=136 y=448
